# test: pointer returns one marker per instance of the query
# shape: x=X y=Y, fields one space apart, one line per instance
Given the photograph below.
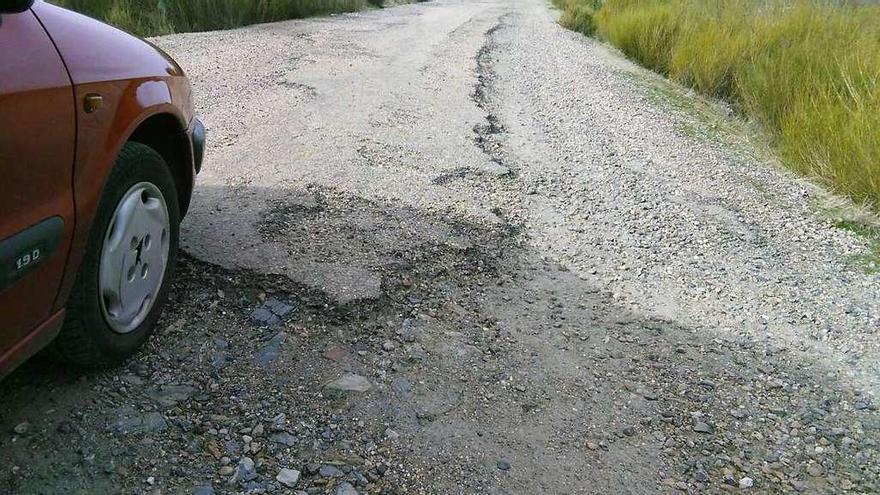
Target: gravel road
x=453 y=248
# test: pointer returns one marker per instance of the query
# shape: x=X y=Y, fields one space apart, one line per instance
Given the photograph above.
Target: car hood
x=94 y=51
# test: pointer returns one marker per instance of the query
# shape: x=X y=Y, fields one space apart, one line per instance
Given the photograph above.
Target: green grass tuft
x=869 y=261
x=807 y=71
x=155 y=17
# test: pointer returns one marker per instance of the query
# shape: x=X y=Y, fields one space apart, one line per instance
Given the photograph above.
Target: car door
x=37 y=136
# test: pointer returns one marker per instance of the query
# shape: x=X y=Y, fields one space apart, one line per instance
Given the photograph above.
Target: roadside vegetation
x=155 y=17
x=807 y=71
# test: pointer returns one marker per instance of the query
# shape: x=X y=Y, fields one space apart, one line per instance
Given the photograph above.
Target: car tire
x=93 y=334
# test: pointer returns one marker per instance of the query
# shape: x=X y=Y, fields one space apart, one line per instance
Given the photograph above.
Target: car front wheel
x=127 y=268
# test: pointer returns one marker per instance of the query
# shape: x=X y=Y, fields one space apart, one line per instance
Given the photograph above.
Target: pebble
x=288 y=477
x=503 y=465
x=21 y=428
x=283 y=438
x=328 y=471
x=350 y=383
x=815 y=470
x=746 y=483
x=273 y=312
x=130 y=422
x=345 y=488
x=244 y=471
x=270 y=352
x=703 y=427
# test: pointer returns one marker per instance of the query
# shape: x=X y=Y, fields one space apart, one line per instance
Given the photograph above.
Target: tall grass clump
x=154 y=17
x=577 y=15
x=807 y=70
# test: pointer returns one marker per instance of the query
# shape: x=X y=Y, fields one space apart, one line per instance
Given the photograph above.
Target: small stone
x=288 y=477
x=244 y=471
x=503 y=465
x=283 y=438
x=21 y=428
x=337 y=353
x=703 y=427
x=226 y=470
x=592 y=445
x=279 y=308
x=328 y=471
x=271 y=350
x=350 y=383
x=271 y=313
x=746 y=483
x=345 y=488
x=815 y=470
x=130 y=422
x=391 y=434
x=388 y=346
x=203 y=490
x=798 y=485
x=169 y=396
x=701 y=475
x=629 y=431
x=264 y=318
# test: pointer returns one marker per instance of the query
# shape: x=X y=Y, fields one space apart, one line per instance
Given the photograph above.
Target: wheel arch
x=164 y=133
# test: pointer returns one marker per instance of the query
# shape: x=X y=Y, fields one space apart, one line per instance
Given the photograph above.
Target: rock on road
x=451 y=247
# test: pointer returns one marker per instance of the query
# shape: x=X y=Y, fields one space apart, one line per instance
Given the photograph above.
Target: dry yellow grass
x=808 y=71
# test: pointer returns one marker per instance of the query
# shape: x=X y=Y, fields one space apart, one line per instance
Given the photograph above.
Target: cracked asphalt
x=450 y=247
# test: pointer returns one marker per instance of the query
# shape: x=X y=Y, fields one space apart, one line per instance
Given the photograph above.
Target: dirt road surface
x=453 y=248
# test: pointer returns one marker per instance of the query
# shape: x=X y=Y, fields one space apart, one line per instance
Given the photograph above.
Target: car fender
x=101 y=133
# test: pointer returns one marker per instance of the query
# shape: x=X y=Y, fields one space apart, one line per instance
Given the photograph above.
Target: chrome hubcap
x=133 y=257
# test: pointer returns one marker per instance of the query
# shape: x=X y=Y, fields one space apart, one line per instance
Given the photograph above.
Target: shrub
x=577 y=15
x=153 y=17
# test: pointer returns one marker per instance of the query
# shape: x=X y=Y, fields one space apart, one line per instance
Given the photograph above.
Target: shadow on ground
x=489 y=370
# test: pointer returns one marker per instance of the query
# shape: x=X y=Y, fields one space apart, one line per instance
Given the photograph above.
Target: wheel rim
x=133 y=257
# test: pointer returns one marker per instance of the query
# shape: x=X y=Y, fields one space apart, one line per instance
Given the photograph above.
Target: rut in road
x=549 y=272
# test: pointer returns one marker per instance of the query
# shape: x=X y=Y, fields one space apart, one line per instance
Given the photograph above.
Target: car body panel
x=36 y=165
x=30 y=344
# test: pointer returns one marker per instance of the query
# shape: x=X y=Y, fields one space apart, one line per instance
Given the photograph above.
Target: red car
x=99 y=148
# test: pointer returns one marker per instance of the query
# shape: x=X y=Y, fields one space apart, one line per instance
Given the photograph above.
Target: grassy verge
x=807 y=71
x=155 y=17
